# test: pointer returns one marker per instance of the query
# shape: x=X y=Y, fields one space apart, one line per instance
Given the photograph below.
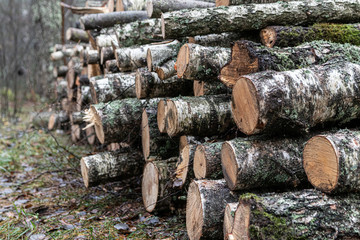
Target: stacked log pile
x=216 y=115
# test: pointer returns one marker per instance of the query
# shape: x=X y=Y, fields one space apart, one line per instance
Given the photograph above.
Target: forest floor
x=42 y=195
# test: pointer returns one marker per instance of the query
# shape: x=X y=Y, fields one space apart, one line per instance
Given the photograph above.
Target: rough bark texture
x=129 y=5
x=114 y=87
x=92 y=57
x=155 y=143
x=196 y=62
x=139 y=32
x=306 y=214
x=156 y=186
x=248 y=164
x=257 y=16
x=287 y=36
x=149 y=85
x=167 y=70
x=240 y=2
x=58 y=120
x=202 y=88
x=199 y=116
x=106 y=54
x=229 y=219
x=331 y=161
x=297 y=100
x=158 y=56
x=106 y=40
x=224 y=39
x=110 y=166
x=132 y=58
x=111 y=66
x=99 y=21
x=77 y=35
x=86 y=10
x=207 y=161
x=155 y=8
x=205 y=207
x=248 y=57
x=77 y=117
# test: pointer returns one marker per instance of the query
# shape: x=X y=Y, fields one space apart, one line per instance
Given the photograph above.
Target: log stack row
x=241 y=121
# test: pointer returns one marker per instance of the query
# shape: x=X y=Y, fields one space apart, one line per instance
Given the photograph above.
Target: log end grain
x=149 y=186
x=52 y=121
x=90 y=135
x=229 y=220
x=149 y=60
x=182 y=61
x=84 y=172
x=75 y=133
x=200 y=162
x=198 y=88
x=182 y=167
x=93 y=92
x=145 y=135
x=245 y=106
x=219 y=3
x=171 y=119
x=161 y=116
x=229 y=165
x=241 y=222
x=140 y=85
x=268 y=37
x=96 y=119
x=149 y=8
x=321 y=163
x=163 y=34
x=194 y=212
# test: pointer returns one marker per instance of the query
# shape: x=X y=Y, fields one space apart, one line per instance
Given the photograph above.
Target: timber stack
x=224 y=105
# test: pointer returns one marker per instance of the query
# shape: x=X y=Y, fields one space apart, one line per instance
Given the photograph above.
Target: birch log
x=60 y=71
x=292 y=215
x=92 y=57
x=58 y=120
x=107 y=167
x=202 y=88
x=158 y=56
x=106 y=40
x=229 y=219
x=331 y=161
x=207 y=161
x=107 y=53
x=111 y=66
x=205 y=207
x=256 y=16
x=77 y=35
x=297 y=100
x=166 y=70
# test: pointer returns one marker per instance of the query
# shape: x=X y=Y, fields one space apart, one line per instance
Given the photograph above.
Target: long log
x=293 y=215
x=195 y=62
x=207 y=161
x=248 y=57
x=331 y=161
x=77 y=35
x=106 y=54
x=116 y=121
x=229 y=219
x=240 y=2
x=224 y=39
x=101 y=20
x=149 y=85
x=199 y=116
x=156 y=186
x=107 y=167
x=287 y=36
x=155 y=8
x=114 y=87
x=272 y=100
x=132 y=58
x=111 y=66
x=155 y=143
x=205 y=207
x=202 y=88
x=248 y=164
x=256 y=16
x=167 y=70
x=58 y=120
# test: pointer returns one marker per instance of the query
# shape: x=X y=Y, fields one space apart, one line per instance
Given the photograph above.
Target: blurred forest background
x=28 y=31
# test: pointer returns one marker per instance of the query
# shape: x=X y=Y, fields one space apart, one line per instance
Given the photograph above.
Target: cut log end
x=95 y=119
x=171 y=119
x=145 y=135
x=163 y=26
x=321 y=163
x=194 y=212
x=245 y=106
x=198 y=88
x=229 y=165
x=182 y=61
x=150 y=189
x=182 y=168
x=93 y=93
x=268 y=37
x=200 y=162
x=229 y=220
x=160 y=72
x=84 y=172
x=149 y=60
x=149 y=8
x=241 y=222
x=161 y=115
x=140 y=85
x=90 y=135
x=75 y=133
x=52 y=121
x=219 y=3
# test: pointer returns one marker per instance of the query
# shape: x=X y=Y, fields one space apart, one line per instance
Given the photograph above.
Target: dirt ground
x=42 y=195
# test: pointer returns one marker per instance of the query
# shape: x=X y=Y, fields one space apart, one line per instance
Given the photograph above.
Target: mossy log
x=161 y=54
x=155 y=8
x=199 y=116
x=111 y=66
x=245 y=17
x=195 y=62
x=149 y=85
x=166 y=70
x=156 y=186
x=248 y=164
x=58 y=120
x=184 y=172
x=155 y=143
x=207 y=161
x=60 y=71
x=107 y=167
x=116 y=121
x=202 y=88
x=139 y=32
x=240 y=2
x=331 y=161
x=101 y=20
x=306 y=214
x=248 y=57
x=92 y=57
x=77 y=35
x=132 y=58
x=224 y=39
x=74 y=70
x=297 y=100
x=106 y=54
x=205 y=207
x=288 y=36
x=130 y=5
x=114 y=87
x=229 y=219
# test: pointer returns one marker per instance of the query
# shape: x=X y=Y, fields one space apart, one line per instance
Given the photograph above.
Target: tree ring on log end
x=149 y=8
x=161 y=116
x=242 y=221
x=200 y=165
x=90 y=135
x=182 y=61
x=93 y=92
x=171 y=118
x=84 y=172
x=98 y=125
x=194 y=212
x=219 y=3
x=149 y=60
x=268 y=37
x=150 y=186
x=183 y=167
x=229 y=165
x=198 y=88
x=245 y=106
x=145 y=134
x=140 y=85
x=321 y=163
x=52 y=121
